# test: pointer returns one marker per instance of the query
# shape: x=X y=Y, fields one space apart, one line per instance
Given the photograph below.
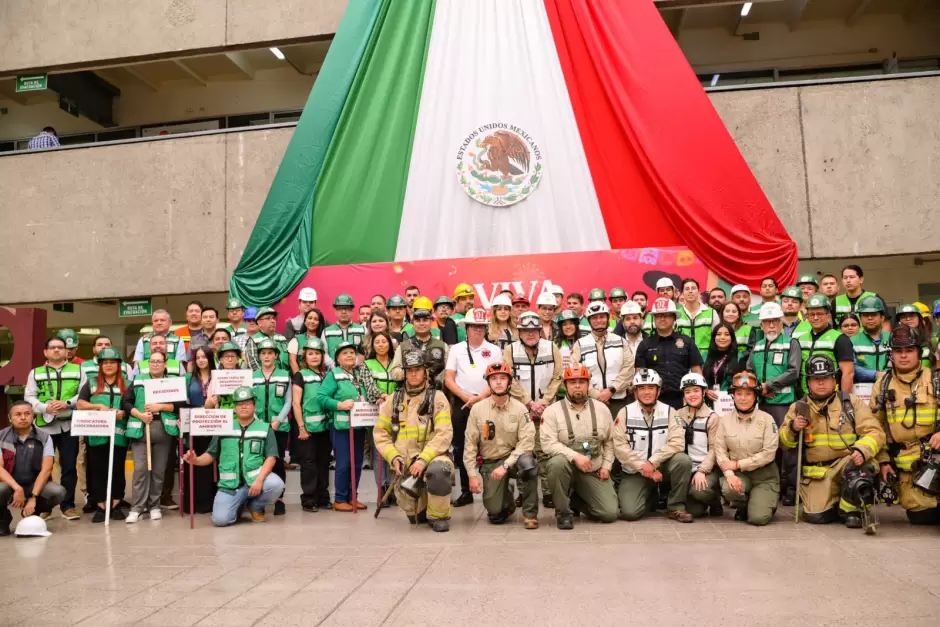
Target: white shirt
x=469 y=377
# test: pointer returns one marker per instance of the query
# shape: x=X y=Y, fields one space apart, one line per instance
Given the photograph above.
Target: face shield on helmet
x=598 y=315
x=745 y=402
x=530 y=329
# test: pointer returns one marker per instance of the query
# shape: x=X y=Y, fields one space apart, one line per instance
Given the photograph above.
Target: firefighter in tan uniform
x=840 y=439
x=904 y=399
x=536 y=368
x=649 y=429
x=501 y=436
x=700 y=426
x=745 y=446
x=578 y=436
x=413 y=433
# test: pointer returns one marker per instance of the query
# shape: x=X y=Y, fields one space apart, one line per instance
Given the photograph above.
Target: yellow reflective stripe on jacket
x=845 y=506
x=868 y=442
x=426 y=456
x=904 y=462
x=922 y=416
x=442 y=416
x=815 y=472
x=385 y=423
x=390 y=454
x=786 y=438
x=833 y=440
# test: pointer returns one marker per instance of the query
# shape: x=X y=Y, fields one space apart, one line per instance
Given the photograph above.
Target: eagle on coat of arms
x=504 y=150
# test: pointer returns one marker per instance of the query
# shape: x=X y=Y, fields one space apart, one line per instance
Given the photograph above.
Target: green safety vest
x=698 y=328
x=770 y=362
x=172 y=341
x=334 y=335
x=90 y=370
x=228 y=327
x=315 y=418
x=870 y=355
x=381 y=376
x=135 y=426
x=461 y=331
x=302 y=340
x=242 y=456
x=281 y=341
x=742 y=336
x=269 y=396
x=173 y=367
x=409 y=331
x=58 y=385
x=844 y=306
x=110 y=398
x=346 y=390
x=825 y=344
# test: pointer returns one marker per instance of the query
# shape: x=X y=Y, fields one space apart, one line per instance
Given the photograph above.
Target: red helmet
x=576 y=371
x=520 y=298
x=663 y=306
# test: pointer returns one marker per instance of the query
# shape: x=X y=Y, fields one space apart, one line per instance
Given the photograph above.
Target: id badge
x=777 y=359
x=280 y=389
x=254 y=447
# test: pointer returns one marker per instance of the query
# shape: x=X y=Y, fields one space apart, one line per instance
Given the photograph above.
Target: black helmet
x=903 y=336
x=820 y=366
x=413 y=359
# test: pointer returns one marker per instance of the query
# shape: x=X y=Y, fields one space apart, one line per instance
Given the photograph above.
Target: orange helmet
x=745 y=380
x=576 y=371
x=498 y=367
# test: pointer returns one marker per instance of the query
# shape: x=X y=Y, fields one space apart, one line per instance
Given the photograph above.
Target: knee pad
x=925 y=516
x=438 y=478
x=527 y=467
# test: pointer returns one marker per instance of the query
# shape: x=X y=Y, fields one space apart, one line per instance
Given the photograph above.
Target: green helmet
x=443 y=300
x=315 y=344
x=343 y=346
x=566 y=314
x=808 y=279
x=343 y=300
x=597 y=294
x=228 y=347
x=617 y=292
x=244 y=393
x=109 y=353
x=396 y=301
x=904 y=309
x=265 y=311
x=69 y=336
x=268 y=343
x=793 y=292
x=817 y=301
x=234 y=303
x=870 y=304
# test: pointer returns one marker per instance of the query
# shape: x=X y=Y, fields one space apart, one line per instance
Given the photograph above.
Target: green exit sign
x=32 y=82
x=134 y=308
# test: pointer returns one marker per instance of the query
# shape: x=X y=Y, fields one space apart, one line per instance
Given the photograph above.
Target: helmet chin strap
x=748 y=410
x=500 y=394
x=649 y=405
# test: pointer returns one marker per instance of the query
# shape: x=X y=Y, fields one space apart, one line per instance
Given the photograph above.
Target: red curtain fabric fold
x=665 y=168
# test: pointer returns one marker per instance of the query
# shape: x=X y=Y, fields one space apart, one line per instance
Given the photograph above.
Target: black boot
x=789 y=497
x=5 y=519
x=99 y=516
x=716 y=510
x=547 y=501
x=465 y=498
x=853 y=520
x=439 y=525
x=519 y=501
x=279 y=508
x=740 y=514
x=564 y=521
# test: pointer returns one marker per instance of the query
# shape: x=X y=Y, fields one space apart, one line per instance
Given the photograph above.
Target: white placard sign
x=863 y=391
x=363 y=414
x=211 y=422
x=93 y=423
x=184 y=419
x=724 y=404
x=225 y=382
x=165 y=390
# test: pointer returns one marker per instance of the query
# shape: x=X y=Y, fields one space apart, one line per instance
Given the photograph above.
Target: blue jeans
x=225 y=507
x=342 y=486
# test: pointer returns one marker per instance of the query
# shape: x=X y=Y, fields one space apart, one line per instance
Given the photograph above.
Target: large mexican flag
x=442 y=129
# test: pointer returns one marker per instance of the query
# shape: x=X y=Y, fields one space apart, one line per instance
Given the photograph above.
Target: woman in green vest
x=272 y=387
x=314 y=324
x=103 y=392
x=378 y=363
x=721 y=361
x=163 y=422
x=229 y=358
x=313 y=428
x=745 y=336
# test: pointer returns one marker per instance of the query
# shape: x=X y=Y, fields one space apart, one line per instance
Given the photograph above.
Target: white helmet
x=529 y=320
x=740 y=288
x=770 y=311
x=545 y=298
x=630 y=307
x=32 y=526
x=557 y=290
x=663 y=306
x=502 y=299
x=647 y=376
x=665 y=282
x=308 y=294
x=596 y=307
x=693 y=379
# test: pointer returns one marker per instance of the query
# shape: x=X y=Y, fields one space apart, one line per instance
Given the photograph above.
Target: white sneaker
x=156 y=514
x=132 y=517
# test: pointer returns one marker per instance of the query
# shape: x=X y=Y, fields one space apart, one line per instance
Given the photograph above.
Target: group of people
x=611 y=408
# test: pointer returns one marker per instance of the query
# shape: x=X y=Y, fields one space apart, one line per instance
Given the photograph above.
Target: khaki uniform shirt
x=554 y=436
x=685 y=415
x=515 y=433
x=750 y=441
x=415 y=436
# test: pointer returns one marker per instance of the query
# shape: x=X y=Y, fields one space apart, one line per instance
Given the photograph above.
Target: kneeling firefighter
x=841 y=437
x=413 y=433
x=499 y=446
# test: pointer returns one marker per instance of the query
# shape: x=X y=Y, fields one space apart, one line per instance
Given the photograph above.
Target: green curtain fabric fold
x=358 y=206
x=278 y=253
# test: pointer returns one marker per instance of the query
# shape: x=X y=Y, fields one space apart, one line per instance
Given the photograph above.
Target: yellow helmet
x=423 y=302
x=922 y=308
x=463 y=289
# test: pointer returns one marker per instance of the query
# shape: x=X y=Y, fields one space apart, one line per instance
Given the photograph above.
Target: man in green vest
x=397 y=310
x=768 y=294
x=246 y=461
x=161 y=321
x=267 y=329
x=433 y=349
x=273 y=404
x=235 y=314
x=791 y=302
x=90 y=366
x=453 y=331
x=70 y=337
x=816 y=336
x=741 y=296
x=852 y=280
x=174 y=368
x=776 y=361
x=345 y=330
x=808 y=285
x=618 y=296
x=872 y=352
x=52 y=391
x=695 y=319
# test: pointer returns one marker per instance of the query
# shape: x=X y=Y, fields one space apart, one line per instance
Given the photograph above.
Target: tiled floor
x=344 y=569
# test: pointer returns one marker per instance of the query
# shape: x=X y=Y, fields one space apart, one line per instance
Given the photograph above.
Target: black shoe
x=326 y=505
x=519 y=501
x=367 y=466
x=310 y=507
x=124 y=504
x=789 y=497
x=465 y=498
x=716 y=510
x=564 y=521
x=499 y=517
x=853 y=520
x=279 y=508
x=547 y=501
x=117 y=514
x=439 y=525
x=89 y=507
x=422 y=517
x=740 y=514
x=98 y=517
x=4 y=529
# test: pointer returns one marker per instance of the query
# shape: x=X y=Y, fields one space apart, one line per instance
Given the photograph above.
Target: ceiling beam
x=668 y=5
x=795 y=10
x=240 y=61
x=139 y=76
x=675 y=27
x=857 y=13
x=193 y=73
x=295 y=62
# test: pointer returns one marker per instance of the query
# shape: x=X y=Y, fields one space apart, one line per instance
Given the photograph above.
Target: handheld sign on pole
x=100 y=424
x=363 y=414
x=225 y=382
x=211 y=422
x=165 y=390
x=863 y=391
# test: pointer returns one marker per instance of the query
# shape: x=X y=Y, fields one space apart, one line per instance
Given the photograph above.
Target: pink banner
x=631 y=269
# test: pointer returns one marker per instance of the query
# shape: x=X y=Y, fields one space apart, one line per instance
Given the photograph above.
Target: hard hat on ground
x=32 y=526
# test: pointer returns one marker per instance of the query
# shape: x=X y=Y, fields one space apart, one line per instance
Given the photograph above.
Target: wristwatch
x=505 y=465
